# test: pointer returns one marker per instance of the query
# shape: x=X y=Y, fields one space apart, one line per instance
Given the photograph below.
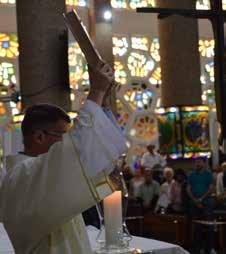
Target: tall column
x=102 y=31
x=43 y=52
x=180 y=60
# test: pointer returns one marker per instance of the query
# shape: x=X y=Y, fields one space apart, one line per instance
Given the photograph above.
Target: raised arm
x=43 y=192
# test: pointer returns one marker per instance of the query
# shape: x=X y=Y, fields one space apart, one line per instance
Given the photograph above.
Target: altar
x=137 y=242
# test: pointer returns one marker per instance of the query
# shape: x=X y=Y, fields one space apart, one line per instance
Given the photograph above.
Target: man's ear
x=39 y=137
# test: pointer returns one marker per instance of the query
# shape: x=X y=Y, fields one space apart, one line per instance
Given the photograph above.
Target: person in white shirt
x=153 y=160
x=221 y=185
x=2 y=174
x=60 y=174
x=165 y=190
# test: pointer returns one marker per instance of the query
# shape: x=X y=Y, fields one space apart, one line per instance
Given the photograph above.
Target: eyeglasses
x=58 y=134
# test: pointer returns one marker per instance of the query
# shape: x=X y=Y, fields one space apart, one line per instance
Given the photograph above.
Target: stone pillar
x=180 y=60
x=102 y=32
x=43 y=52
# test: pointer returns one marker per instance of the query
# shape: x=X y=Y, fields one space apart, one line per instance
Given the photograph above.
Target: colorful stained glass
x=202 y=4
x=139 y=65
x=154 y=49
x=184 y=131
x=120 y=46
x=7 y=1
x=7 y=74
x=133 y=4
x=78 y=68
x=2 y=109
x=122 y=115
x=120 y=73
x=209 y=68
x=137 y=152
x=195 y=130
x=206 y=48
x=144 y=128
x=167 y=125
x=8 y=45
x=139 y=97
x=208 y=97
x=120 y=4
x=140 y=43
x=76 y=2
x=155 y=78
x=203 y=79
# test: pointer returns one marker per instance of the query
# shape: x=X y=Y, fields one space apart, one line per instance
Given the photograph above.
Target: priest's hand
x=101 y=79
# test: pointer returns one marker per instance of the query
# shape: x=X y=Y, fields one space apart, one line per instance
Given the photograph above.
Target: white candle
x=113 y=217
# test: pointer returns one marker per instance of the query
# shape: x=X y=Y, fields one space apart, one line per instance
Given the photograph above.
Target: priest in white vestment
x=60 y=174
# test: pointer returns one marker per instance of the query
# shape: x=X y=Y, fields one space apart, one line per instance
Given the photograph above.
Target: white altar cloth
x=137 y=242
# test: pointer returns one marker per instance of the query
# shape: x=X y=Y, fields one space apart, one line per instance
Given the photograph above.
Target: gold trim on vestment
x=89 y=183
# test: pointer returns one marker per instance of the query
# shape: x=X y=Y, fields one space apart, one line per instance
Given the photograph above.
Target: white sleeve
x=162 y=161
x=41 y=193
x=99 y=141
x=2 y=174
x=219 y=184
x=144 y=160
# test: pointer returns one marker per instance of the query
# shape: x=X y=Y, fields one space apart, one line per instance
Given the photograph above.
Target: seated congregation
x=187 y=208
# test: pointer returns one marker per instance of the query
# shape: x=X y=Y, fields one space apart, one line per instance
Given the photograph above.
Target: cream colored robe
x=42 y=197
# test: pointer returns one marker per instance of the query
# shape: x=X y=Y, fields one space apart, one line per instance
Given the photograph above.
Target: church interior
x=168 y=96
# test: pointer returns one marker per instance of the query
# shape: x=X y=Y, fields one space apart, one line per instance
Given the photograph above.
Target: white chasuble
x=42 y=197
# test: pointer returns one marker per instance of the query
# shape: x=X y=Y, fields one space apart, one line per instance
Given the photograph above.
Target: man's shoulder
x=18 y=165
x=192 y=173
x=207 y=172
x=191 y=176
x=146 y=154
x=220 y=175
x=164 y=184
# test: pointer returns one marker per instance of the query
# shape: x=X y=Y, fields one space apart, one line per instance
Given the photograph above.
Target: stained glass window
x=8 y=45
x=141 y=43
x=139 y=97
x=136 y=154
x=133 y=4
x=76 y=2
x=184 y=131
x=121 y=4
x=208 y=97
x=154 y=49
x=167 y=125
x=120 y=73
x=203 y=4
x=155 y=78
x=77 y=67
x=206 y=48
x=209 y=68
x=195 y=129
x=7 y=74
x=144 y=128
x=139 y=65
x=120 y=46
x=7 y=1
x=122 y=115
x=2 y=109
